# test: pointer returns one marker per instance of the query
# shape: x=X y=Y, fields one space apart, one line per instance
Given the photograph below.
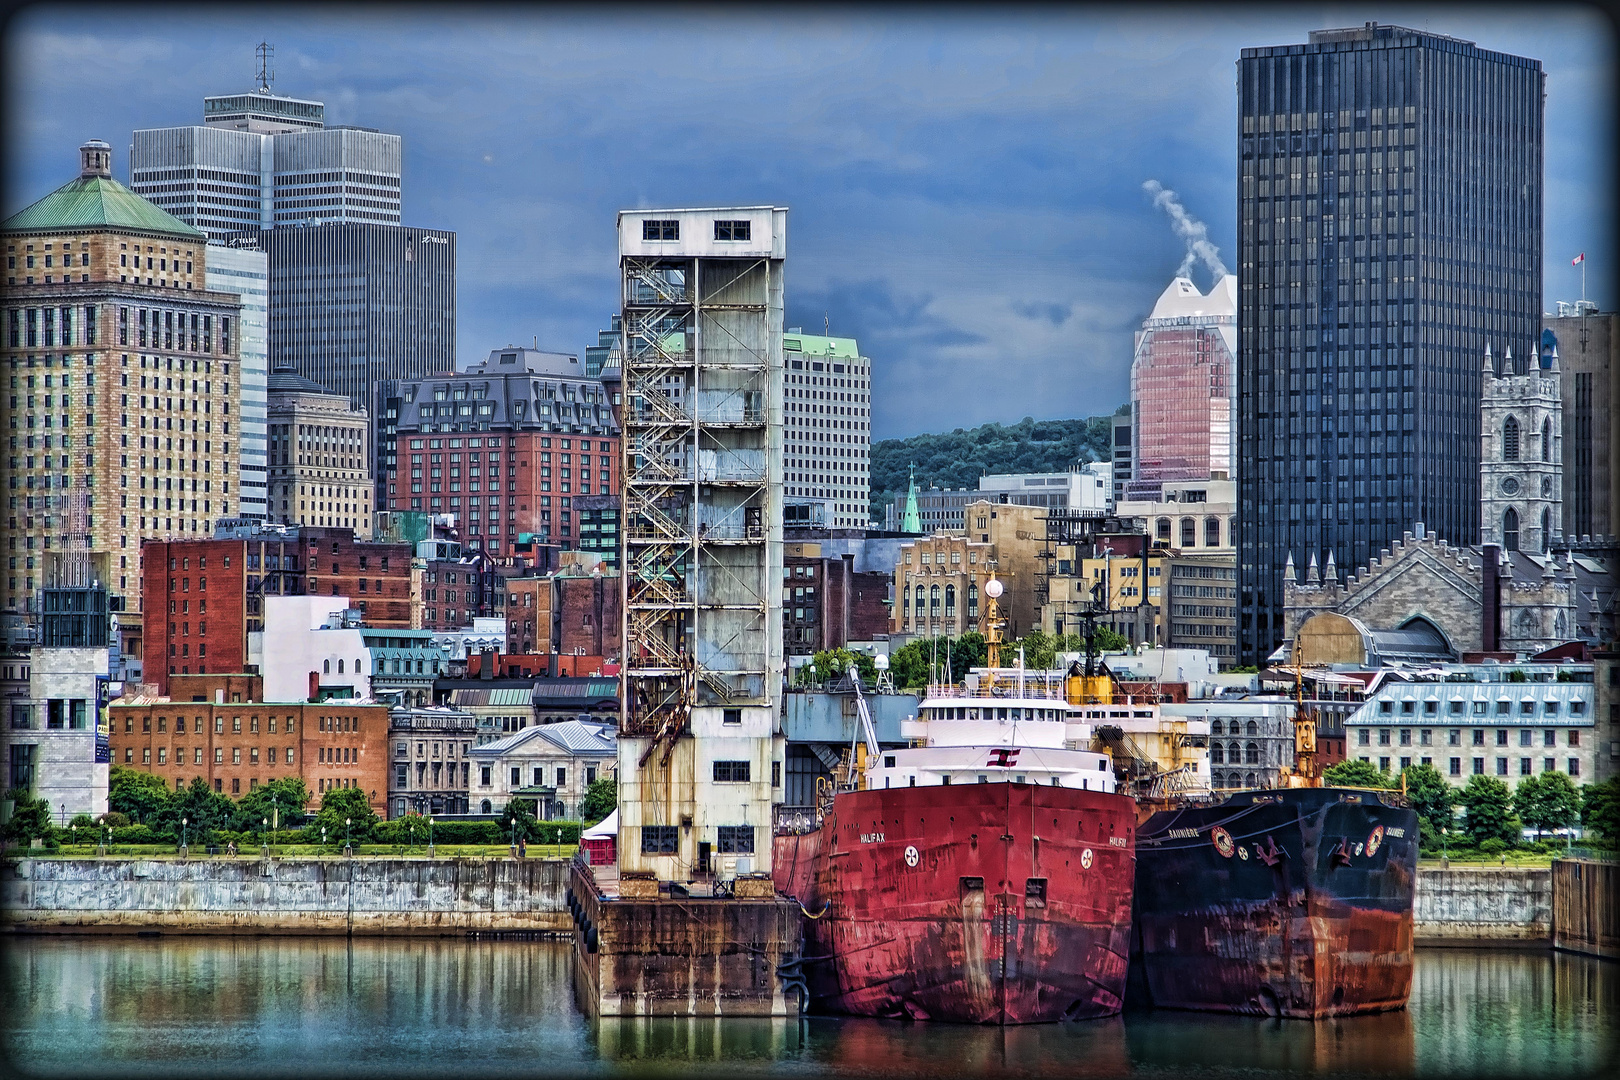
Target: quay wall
x=1464 y=906
x=294 y=895
x=1586 y=916
x=1484 y=905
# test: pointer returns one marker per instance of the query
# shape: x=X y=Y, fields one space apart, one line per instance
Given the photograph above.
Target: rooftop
x=90 y=202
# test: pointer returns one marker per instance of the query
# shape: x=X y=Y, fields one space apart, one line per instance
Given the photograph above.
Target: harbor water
x=312 y=1007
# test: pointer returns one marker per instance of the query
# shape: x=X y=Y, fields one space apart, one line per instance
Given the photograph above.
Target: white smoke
x=1190 y=229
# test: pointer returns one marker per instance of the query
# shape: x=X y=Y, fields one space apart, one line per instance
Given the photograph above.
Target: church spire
x=912 y=522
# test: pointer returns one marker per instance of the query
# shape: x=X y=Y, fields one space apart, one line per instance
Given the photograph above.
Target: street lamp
x=347 y=843
x=184 y=822
x=430 y=832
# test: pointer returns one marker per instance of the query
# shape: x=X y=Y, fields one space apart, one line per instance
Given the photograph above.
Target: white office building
x=828 y=414
x=241 y=268
x=259 y=160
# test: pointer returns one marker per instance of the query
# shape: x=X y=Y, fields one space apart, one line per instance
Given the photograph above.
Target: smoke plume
x=1191 y=230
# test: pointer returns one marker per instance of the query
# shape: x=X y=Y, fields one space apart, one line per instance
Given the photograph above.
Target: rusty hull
x=996 y=903
x=1294 y=903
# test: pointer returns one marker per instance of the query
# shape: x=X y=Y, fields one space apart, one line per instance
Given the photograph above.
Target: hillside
x=958 y=458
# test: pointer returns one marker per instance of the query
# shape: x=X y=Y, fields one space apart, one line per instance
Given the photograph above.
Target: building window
x=731 y=772
x=735 y=839
x=658 y=839
x=1510 y=530
x=1510 y=439
x=731 y=230
x=660 y=230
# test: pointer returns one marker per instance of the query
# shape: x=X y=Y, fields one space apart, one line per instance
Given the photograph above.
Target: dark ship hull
x=986 y=903
x=1294 y=902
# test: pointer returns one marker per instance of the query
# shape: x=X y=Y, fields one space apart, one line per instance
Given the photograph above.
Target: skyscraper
x=258 y=161
x=240 y=268
x=1181 y=387
x=361 y=308
x=828 y=441
x=1389 y=227
x=122 y=357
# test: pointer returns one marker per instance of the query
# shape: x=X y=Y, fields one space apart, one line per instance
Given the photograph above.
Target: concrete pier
x=639 y=953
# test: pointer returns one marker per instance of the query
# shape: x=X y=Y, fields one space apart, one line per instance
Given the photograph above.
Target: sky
x=971 y=193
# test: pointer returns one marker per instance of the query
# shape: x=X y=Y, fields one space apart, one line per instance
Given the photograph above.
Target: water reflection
x=318 y=1007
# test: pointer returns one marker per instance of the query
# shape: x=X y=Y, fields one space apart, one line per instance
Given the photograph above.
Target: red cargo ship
x=984 y=876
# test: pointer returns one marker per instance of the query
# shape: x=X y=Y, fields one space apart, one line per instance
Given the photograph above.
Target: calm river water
x=306 y=1007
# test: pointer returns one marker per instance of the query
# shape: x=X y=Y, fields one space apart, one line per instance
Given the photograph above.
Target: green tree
x=518 y=819
x=30 y=817
x=140 y=796
x=1355 y=773
x=287 y=796
x=601 y=798
x=1040 y=650
x=1549 y=800
x=84 y=823
x=205 y=811
x=910 y=666
x=1600 y=808
x=1487 y=801
x=1430 y=796
x=339 y=804
x=831 y=664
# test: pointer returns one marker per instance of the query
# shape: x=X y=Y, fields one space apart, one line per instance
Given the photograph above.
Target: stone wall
x=1484 y=906
x=303 y=896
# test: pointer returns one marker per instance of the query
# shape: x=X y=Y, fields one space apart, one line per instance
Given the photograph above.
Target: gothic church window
x=1510 y=528
x=1510 y=439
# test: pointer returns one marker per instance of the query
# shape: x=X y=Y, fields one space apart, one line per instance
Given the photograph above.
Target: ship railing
x=1003 y=688
x=795 y=820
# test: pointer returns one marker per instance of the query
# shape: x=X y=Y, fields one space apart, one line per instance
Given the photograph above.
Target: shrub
x=113 y=819
x=1493 y=846
x=134 y=834
x=83 y=823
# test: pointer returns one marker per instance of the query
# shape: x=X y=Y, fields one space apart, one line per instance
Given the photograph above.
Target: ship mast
x=1306 y=773
x=992 y=626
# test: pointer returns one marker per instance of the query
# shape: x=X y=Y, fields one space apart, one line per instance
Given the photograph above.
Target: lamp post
x=430 y=836
x=264 y=844
x=348 y=844
x=184 y=823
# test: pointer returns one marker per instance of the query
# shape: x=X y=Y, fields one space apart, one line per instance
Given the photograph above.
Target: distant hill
x=958 y=458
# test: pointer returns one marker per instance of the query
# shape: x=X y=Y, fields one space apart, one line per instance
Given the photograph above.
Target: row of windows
x=1503 y=765
x=1549 y=737
x=671 y=230
x=729 y=839
x=197 y=755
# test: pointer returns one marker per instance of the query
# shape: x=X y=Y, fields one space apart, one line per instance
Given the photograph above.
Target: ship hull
x=1295 y=903
x=986 y=903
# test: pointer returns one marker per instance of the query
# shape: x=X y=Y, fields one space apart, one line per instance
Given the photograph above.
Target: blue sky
x=966 y=188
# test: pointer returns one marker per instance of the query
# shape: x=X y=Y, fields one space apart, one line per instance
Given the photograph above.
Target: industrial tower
x=700 y=744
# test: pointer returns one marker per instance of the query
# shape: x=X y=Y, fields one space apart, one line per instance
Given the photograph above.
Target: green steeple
x=95 y=200
x=912 y=522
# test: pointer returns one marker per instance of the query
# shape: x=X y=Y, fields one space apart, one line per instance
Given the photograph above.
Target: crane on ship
x=1306 y=772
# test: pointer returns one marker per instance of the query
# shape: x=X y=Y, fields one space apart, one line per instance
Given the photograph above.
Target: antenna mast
x=267 y=75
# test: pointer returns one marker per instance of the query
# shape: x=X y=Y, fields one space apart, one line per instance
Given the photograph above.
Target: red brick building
x=201 y=598
x=827 y=603
x=504 y=447
x=215 y=727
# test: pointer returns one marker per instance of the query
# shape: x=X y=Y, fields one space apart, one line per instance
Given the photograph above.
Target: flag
x=1577 y=260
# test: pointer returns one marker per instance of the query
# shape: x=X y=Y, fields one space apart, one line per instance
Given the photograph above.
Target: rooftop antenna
x=267 y=74
x=826 y=316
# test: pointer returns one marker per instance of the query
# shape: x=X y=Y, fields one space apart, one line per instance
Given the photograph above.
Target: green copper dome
x=98 y=202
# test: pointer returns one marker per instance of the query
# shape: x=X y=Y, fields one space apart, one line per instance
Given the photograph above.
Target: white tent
x=607 y=827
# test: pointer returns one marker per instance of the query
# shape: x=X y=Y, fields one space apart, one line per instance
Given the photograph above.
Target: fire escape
x=695 y=489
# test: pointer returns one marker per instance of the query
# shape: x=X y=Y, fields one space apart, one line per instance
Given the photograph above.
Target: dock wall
x=1484 y=905
x=1586 y=896
x=303 y=896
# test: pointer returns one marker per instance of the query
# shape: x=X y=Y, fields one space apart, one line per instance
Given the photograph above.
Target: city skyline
x=1036 y=257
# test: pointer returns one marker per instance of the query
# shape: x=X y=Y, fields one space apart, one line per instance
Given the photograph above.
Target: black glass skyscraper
x=1389 y=226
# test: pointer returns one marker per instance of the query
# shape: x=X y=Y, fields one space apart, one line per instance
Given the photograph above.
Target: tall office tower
x=828 y=411
x=360 y=309
x=507 y=447
x=240 y=267
x=126 y=382
x=1389 y=227
x=259 y=161
x=1587 y=345
x=700 y=744
x=1182 y=381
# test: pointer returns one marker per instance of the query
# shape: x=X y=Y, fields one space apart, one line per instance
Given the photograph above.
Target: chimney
x=1491 y=590
x=314 y=685
x=486 y=664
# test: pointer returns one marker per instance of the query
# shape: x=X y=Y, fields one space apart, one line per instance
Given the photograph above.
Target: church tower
x=1521 y=453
